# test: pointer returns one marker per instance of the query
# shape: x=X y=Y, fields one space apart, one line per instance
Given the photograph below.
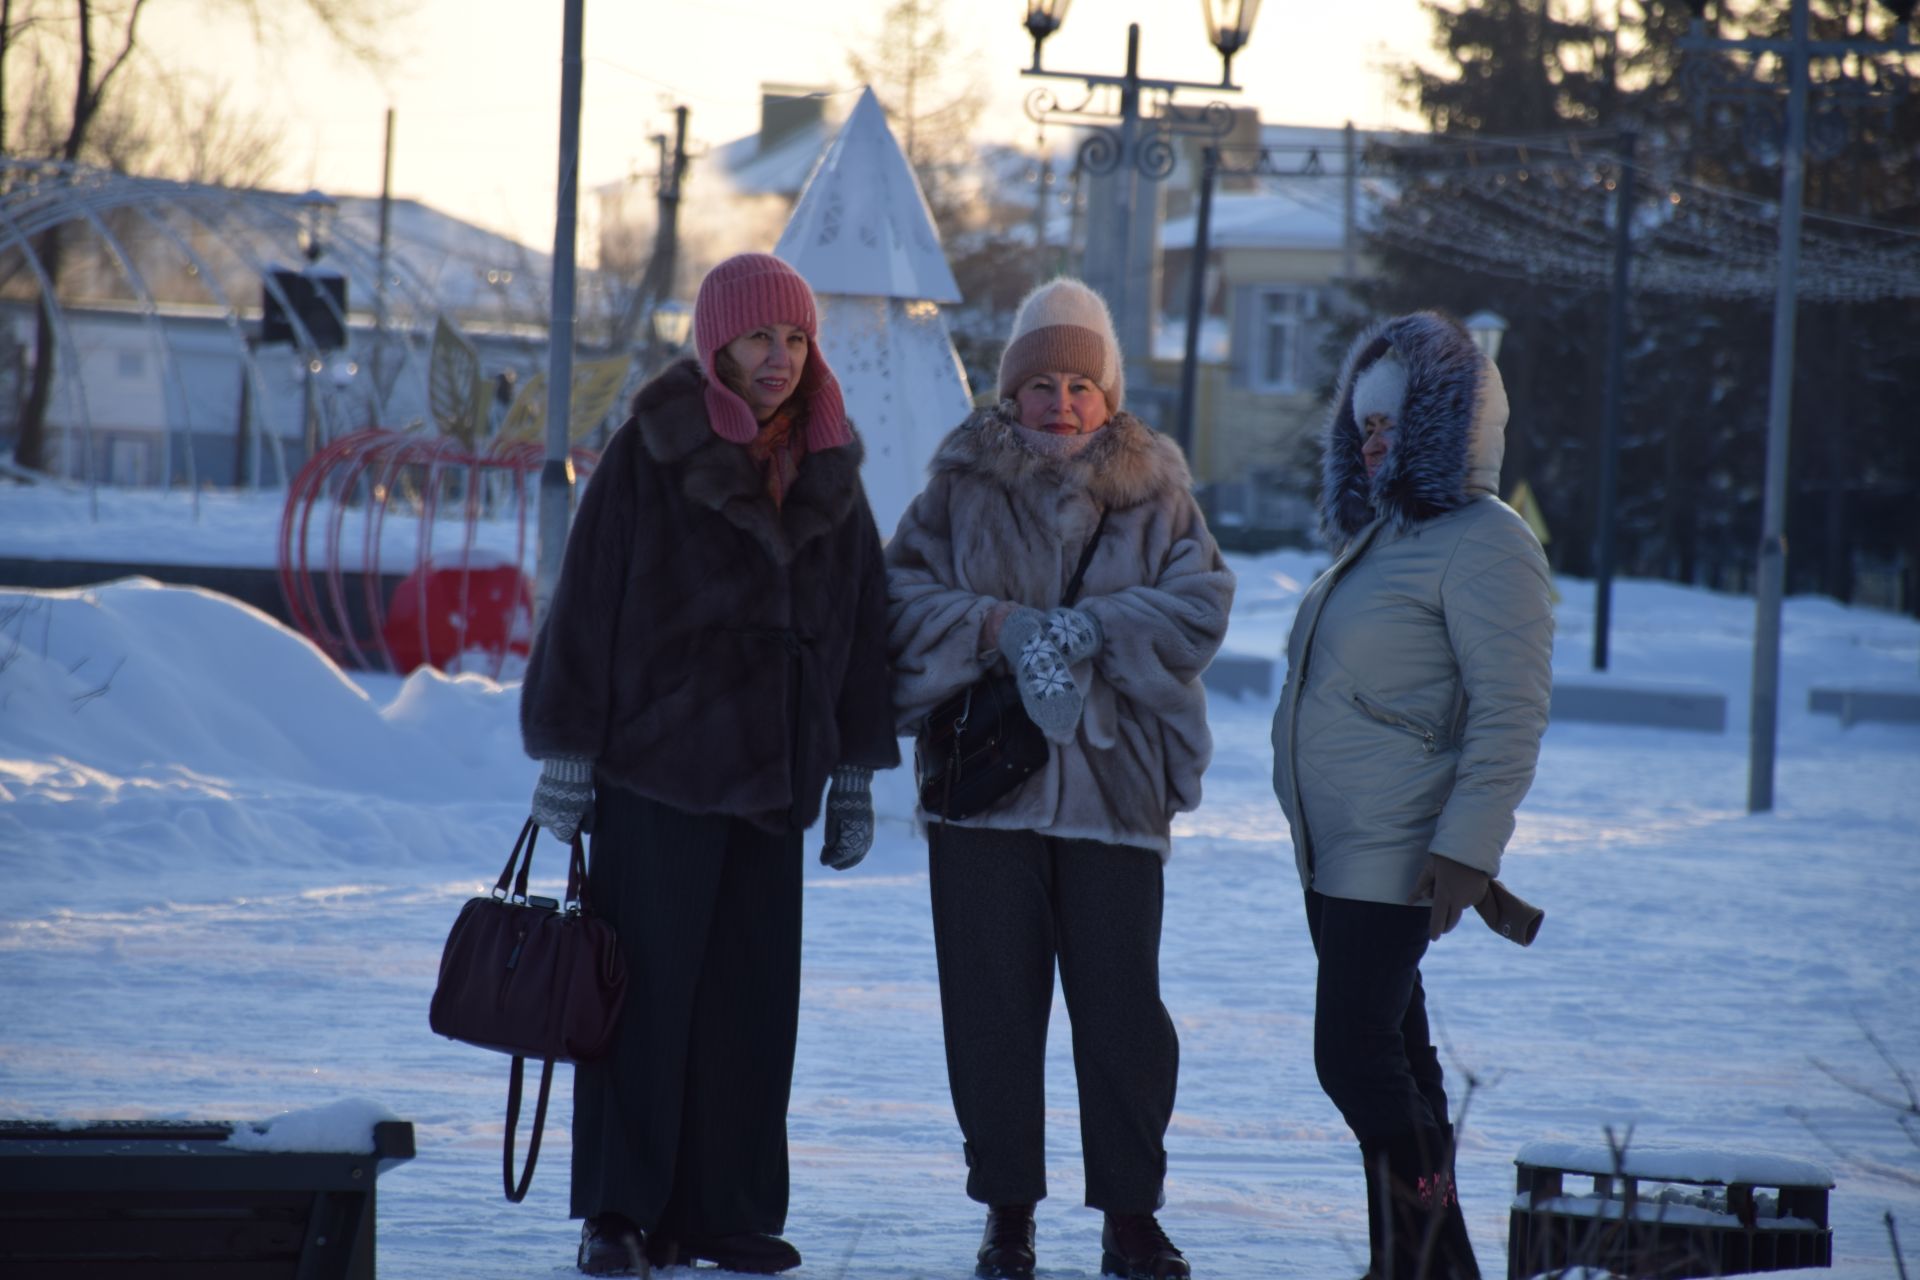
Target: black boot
x=1416 y=1230
x=1133 y=1245
x=612 y=1246
x=1006 y=1249
x=1453 y=1255
x=753 y=1253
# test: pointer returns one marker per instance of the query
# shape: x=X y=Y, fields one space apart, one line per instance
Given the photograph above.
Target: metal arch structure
x=467 y=607
x=243 y=234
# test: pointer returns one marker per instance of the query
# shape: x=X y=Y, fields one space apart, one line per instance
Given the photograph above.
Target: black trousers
x=1371 y=1044
x=1006 y=906
x=683 y=1127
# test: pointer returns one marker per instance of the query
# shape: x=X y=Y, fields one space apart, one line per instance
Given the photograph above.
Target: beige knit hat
x=1064 y=327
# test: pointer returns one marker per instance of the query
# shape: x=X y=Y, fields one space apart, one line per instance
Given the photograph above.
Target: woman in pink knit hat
x=714 y=656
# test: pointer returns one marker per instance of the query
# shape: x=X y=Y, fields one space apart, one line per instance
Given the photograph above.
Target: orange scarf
x=778 y=449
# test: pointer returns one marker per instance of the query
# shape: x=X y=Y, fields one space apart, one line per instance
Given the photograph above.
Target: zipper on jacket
x=1428 y=738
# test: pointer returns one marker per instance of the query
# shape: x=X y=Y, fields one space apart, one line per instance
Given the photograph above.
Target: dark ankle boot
x=1132 y=1245
x=612 y=1246
x=753 y=1253
x=1006 y=1248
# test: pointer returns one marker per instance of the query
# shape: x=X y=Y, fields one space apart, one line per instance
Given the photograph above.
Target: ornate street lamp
x=1230 y=26
x=1043 y=19
x=1487 y=328
x=1131 y=147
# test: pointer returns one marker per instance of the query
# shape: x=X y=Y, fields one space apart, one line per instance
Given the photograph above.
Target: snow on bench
x=1667 y=1211
x=182 y=1200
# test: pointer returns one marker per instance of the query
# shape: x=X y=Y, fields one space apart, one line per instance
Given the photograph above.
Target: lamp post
x=1794 y=53
x=1487 y=328
x=556 y=473
x=1125 y=151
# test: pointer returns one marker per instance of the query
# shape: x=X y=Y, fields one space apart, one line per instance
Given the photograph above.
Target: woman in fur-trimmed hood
x=715 y=651
x=1417 y=690
x=1019 y=497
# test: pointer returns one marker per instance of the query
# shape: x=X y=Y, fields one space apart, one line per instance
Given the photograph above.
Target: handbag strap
x=519 y=1193
x=525 y=842
x=1086 y=558
x=576 y=899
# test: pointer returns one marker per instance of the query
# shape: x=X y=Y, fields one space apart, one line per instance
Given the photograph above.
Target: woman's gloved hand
x=849 y=818
x=1074 y=632
x=1454 y=887
x=563 y=797
x=1047 y=688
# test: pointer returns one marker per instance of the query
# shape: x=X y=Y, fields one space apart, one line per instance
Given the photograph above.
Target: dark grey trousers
x=1006 y=906
x=683 y=1127
x=1371 y=1045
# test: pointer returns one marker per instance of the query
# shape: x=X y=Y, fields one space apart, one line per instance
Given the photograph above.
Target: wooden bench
x=178 y=1201
x=1666 y=1212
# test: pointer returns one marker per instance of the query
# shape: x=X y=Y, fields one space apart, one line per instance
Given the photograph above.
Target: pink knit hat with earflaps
x=741 y=294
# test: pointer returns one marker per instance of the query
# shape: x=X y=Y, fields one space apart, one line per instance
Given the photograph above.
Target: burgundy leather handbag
x=531 y=977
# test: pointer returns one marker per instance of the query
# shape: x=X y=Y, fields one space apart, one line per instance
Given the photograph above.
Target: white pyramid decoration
x=863 y=238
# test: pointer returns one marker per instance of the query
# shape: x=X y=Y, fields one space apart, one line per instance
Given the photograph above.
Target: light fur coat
x=1001 y=521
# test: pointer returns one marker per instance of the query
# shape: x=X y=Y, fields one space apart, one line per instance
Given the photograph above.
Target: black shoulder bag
x=980 y=744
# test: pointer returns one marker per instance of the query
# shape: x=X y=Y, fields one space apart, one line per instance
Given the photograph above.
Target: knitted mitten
x=1047 y=689
x=1074 y=632
x=849 y=817
x=563 y=796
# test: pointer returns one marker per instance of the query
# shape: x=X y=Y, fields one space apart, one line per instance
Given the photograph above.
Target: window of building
x=131 y=364
x=1279 y=337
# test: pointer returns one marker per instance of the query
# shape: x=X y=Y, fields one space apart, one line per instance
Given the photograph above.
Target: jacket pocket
x=1429 y=736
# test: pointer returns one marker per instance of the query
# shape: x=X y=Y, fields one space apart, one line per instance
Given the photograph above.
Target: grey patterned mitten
x=1047 y=689
x=849 y=817
x=1074 y=632
x=563 y=796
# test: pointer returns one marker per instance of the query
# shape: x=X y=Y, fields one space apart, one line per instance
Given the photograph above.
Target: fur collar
x=1128 y=462
x=1447 y=445
x=671 y=414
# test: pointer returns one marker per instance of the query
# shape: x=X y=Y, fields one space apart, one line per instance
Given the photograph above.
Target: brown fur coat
x=703 y=647
x=999 y=521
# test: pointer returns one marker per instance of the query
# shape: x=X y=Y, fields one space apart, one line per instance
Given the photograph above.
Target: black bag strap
x=519 y=1193
x=1086 y=558
x=519 y=891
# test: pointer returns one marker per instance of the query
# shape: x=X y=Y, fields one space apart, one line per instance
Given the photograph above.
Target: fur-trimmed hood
x=1127 y=463
x=672 y=415
x=1448 y=441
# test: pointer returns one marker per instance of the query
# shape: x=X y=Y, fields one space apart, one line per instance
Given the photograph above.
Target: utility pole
x=556 y=476
x=1614 y=401
x=1796 y=53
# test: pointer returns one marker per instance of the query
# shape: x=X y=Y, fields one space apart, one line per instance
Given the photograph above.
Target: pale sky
x=477 y=88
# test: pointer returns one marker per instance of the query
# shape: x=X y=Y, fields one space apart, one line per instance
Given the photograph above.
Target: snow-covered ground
x=229 y=869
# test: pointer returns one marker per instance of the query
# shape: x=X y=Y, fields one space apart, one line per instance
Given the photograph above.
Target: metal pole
x=1615 y=394
x=1349 y=212
x=1771 y=584
x=556 y=476
x=1125 y=305
x=1196 y=299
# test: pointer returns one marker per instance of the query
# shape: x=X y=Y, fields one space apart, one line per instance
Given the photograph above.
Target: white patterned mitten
x=563 y=796
x=1047 y=689
x=1074 y=632
x=849 y=817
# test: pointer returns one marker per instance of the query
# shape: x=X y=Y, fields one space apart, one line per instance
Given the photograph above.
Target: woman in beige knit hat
x=1066 y=867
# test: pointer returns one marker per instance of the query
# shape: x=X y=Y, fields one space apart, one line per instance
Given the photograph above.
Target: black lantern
x=1043 y=19
x=1229 y=26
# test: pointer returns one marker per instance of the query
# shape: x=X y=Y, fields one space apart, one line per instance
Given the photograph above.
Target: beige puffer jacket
x=998 y=521
x=1420 y=664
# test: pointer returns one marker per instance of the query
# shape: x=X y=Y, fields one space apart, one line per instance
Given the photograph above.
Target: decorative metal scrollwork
x=1100 y=154
x=1156 y=156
